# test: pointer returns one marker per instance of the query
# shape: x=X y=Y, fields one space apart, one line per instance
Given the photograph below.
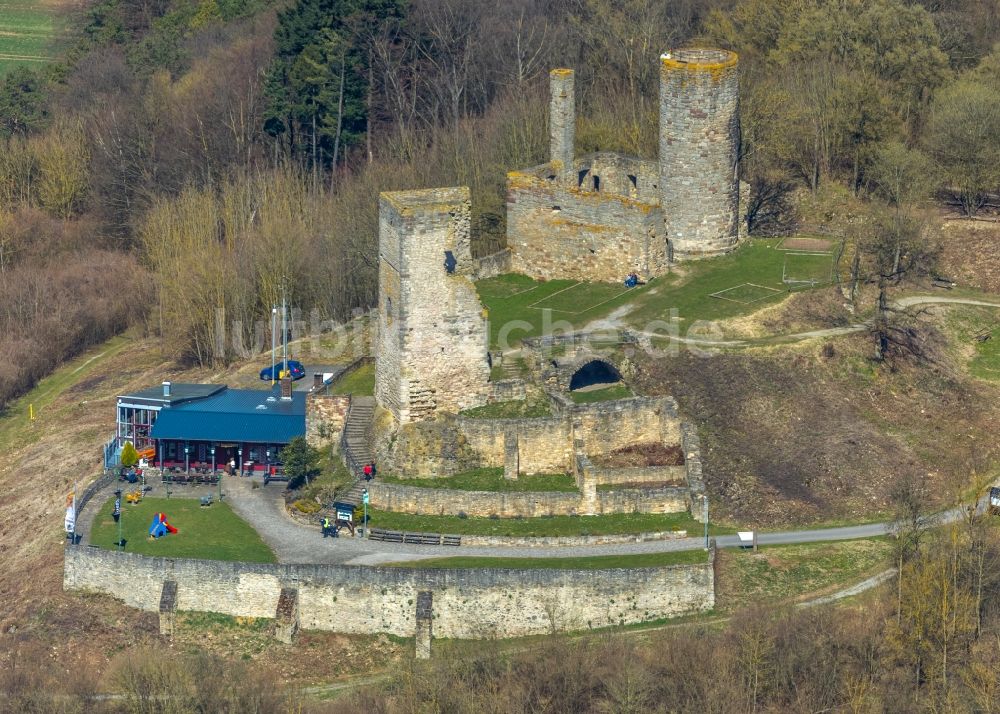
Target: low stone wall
x=478 y=504
x=569 y=541
x=416 y=500
x=489 y=266
x=666 y=499
x=467 y=603
x=604 y=475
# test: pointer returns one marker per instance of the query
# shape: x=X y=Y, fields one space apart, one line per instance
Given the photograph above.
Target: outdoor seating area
x=179 y=477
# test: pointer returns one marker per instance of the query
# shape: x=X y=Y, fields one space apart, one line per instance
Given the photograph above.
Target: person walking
x=368 y=471
x=326 y=526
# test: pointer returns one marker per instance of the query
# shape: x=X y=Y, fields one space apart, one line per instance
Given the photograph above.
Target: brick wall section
x=559 y=231
x=699 y=144
x=357 y=599
x=432 y=344
x=325 y=415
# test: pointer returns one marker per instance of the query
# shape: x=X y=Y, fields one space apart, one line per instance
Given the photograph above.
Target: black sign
x=118 y=509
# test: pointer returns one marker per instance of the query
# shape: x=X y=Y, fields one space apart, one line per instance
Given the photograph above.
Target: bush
x=304 y=505
x=129 y=456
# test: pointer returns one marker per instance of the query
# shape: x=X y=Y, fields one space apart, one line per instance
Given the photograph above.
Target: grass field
x=516 y=409
x=360 y=382
x=16 y=429
x=615 y=391
x=544 y=526
x=639 y=560
x=30 y=32
x=808 y=268
x=491 y=479
x=515 y=302
x=212 y=533
x=782 y=572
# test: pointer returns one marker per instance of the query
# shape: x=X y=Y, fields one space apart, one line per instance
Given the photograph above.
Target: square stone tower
x=432 y=346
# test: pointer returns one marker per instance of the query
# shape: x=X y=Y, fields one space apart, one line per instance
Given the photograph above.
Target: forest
x=189 y=160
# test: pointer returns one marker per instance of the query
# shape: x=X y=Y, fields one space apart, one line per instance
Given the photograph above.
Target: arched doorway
x=595 y=372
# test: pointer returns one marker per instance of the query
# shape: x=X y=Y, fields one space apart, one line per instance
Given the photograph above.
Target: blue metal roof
x=235 y=415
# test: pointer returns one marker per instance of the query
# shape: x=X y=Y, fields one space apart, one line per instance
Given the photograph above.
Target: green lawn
x=639 y=560
x=518 y=305
x=359 y=382
x=16 y=430
x=491 y=479
x=688 y=290
x=755 y=263
x=544 y=526
x=29 y=33
x=212 y=533
x=531 y=407
x=615 y=391
x=986 y=362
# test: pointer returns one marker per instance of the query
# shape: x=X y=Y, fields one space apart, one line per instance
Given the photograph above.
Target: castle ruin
x=603 y=215
x=596 y=217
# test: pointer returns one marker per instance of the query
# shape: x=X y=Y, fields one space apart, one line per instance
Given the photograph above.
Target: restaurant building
x=205 y=426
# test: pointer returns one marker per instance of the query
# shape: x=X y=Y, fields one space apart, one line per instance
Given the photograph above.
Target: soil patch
x=647 y=454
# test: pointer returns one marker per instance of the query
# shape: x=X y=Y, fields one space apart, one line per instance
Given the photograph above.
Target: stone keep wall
x=699 y=145
x=359 y=599
x=559 y=231
x=433 y=341
x=562 y=119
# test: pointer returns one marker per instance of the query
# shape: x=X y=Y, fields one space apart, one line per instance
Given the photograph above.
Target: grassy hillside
x=30 y=31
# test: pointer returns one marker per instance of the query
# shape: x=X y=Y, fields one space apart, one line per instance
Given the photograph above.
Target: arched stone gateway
x=594 y=372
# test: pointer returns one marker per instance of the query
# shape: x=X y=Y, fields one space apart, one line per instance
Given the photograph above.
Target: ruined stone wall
x=545 y=444
x=562 y=119
x=524 y=504
x=559 y=231
x=607 y=426
x=325 y=415
x=699 y=145
x=667 y=475
x=358 y=599
x=432 y=344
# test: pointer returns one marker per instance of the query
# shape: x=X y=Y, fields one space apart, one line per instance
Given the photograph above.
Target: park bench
x=275 y=477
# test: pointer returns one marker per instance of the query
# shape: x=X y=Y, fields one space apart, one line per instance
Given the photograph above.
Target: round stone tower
x=699 y=144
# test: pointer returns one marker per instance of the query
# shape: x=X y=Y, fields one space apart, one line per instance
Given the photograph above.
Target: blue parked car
x=294 y=368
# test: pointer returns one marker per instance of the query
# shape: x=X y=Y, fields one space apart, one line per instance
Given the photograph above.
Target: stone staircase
x=357 y=450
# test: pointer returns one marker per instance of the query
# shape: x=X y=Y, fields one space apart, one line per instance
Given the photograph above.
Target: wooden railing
x=414 y=538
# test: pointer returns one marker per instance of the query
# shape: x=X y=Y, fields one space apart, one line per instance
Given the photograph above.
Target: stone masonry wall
x=432 y=345
x=451 y=445
x=524 y=504
x=562 y=119
x=357 y=599
x=699 y=146
x=559 y=231
x=325 y=415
